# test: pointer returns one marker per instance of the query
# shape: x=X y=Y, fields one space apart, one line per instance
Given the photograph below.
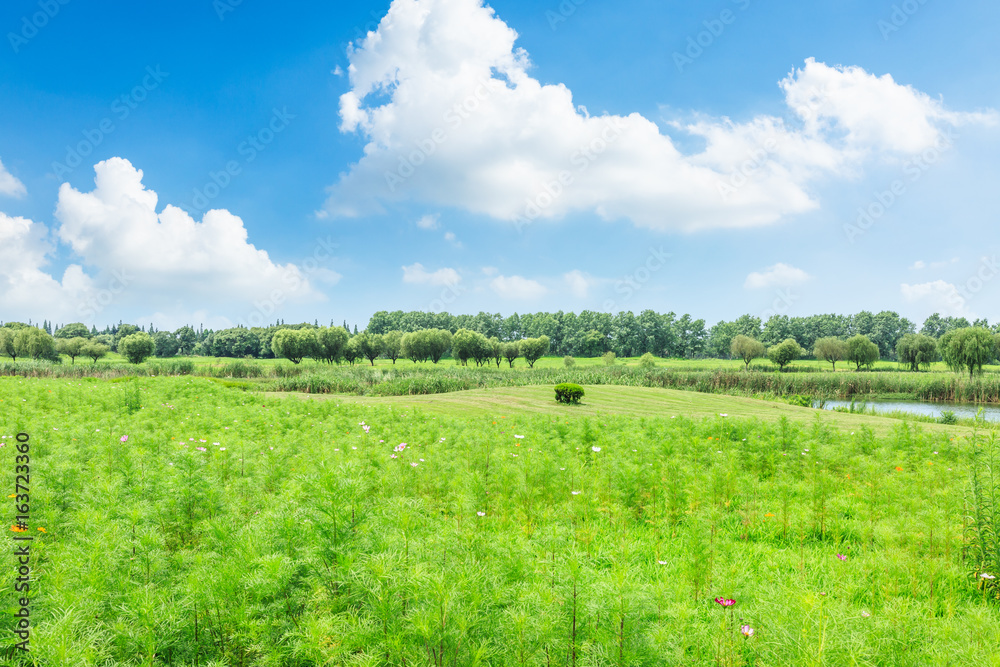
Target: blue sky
x=731 y=146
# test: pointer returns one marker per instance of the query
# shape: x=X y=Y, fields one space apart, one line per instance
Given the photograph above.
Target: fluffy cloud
x=418 y=275
x=579 y=283
x=452 y=118
x=24 y=286
x=779 y=275
x=429 y=222
x=938 y=296
x=516 y=288
x=10 y=185
x=167 y=254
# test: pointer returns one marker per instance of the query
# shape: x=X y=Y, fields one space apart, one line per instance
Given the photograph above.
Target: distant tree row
x=966 y=349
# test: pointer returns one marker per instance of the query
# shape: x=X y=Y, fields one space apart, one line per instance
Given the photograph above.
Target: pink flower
x=747 y=631
x=400 y=447
x=725 y=602
x=841 y=556
x=124 y=438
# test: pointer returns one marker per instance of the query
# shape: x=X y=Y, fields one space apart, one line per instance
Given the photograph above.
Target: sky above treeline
x=222 y=162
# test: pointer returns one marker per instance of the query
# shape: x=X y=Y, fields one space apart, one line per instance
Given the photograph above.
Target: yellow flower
x=42 y=529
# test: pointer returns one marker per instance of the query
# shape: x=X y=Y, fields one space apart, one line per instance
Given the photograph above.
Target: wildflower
x=662 y=562
x=723 y=414
x=393 y=456
x=984 y=575
x=841 y=556
x=518 y=436
x=769 y=514
x=898 y=469
x=222 y=449
x=596 y=449
x=42 y=529
x=201 y=449
x=19 y=529
x=124 y=438
x=414 y=464
x=400 y=447
x=353 y=447
x=725 y=602
x=575 y=493
x=481 y=513
x=13 y=495
x=747 y=631
x=865 y=614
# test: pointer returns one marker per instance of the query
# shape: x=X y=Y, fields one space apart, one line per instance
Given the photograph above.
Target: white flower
x=596 y=449
x=481 y=513
x=575 y=493
x=984 y=575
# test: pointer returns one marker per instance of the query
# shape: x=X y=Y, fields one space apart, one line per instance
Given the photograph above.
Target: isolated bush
x=647 y=360
x=136 y=347
x=570 y=393
x=948 y=417
x=800 y=400
x=569 y=362
x=609 y=358
x=784 y=353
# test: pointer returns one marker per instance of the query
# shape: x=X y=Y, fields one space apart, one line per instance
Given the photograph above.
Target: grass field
x=189 y=523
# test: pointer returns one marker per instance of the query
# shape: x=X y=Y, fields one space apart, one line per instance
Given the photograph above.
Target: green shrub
x=647 y=360
x=567 y=392
x=569 y=361
x=609 y=358
x=800 y=400
x=948 y=417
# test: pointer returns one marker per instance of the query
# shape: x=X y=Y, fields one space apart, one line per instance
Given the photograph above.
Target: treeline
x=587 y=334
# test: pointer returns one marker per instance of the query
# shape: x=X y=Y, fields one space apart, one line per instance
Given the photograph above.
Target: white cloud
x=418 y=275
x=452 y=118
x=167 y=254
x=452 y=239
x=517 y=288
x=918 y=265
x=938 y=296
x=490 y=271
x=10 y=185
x=579 y=283
x=429 y=222
x=25 y=287
x=779 y=275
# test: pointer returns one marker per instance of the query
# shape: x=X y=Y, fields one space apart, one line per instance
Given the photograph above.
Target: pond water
x=962 y=410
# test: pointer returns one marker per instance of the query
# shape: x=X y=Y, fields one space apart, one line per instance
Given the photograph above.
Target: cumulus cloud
x=451 y=117
x=10 y=185
x=167 y=254
x=416 y=274
x=579 y=283
x=24 y=285
x=429 y=222
x=517 y=288
x=938 y=296
x=779 y=275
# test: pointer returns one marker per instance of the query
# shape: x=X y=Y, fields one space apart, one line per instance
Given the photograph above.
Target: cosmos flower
x=747 y=631
x=865 y=613
x=984 y=575
x=124 y=438
x=596 y=449
x=481 y=513
x=725 y=602
x=841 y=556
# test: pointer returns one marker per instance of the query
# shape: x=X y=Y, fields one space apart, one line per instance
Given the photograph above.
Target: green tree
x=330 y=343
x=392 y=345
x=414 y=346
x=370 y=346
x=916 y=350
x=533 y=349
x=438 y=343
x=968 y=349
x=35 y=343
x=166 y=344
x=74 y=330
x=861 y=351
x=747 y=349
x=136 y=347
x=124 y=330
x=295 y=344
x=237 y=342
x=784 y=353
x=71 y=347
x=463 y=346
x=95 y=350
x=7 y=343
x=352 y=351
x=831 y=350
x=186 y=339
x=511 y=351
x=496 y=350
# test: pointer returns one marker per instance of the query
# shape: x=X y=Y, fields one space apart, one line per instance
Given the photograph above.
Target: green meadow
x=181 y=521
